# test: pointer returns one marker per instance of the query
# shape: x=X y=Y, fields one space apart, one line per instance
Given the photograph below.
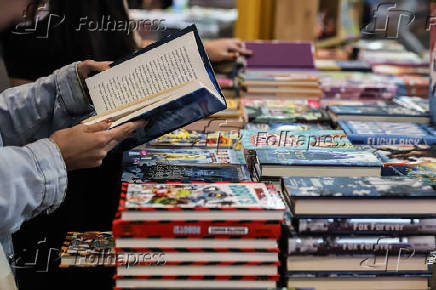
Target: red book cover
x=193 y=229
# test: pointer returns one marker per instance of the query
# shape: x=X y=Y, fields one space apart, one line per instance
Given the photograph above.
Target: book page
x=157 y=70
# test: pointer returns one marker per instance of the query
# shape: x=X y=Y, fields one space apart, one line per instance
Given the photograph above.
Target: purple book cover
x=280 y=55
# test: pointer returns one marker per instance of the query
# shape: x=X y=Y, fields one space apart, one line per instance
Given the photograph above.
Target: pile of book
x=198 y=235
x=279 y=70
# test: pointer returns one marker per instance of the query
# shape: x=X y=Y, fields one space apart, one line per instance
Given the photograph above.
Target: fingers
x=97 y=127
x=126 y=130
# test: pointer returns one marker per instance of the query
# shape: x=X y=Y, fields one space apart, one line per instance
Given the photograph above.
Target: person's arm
x=35 y=110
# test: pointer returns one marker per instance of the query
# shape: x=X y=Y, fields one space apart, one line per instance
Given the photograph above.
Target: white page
x=161 y=68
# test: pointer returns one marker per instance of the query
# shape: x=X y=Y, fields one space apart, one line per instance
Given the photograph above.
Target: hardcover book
x=185 y=138
x=286 y=126
x=215 y=201
x=295 y=140
x=404 y=154
x=425 y=172
x=283 y=111
x=365 y=196
x=388 y=133
x=389 y=113
x=142 y=172
x=281 y=162
x=169 y=83
x=203 y=157
x=88 y=249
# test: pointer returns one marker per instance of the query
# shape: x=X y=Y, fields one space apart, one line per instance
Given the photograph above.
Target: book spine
x=364 y=228
x=195 y=230
x=316 y=246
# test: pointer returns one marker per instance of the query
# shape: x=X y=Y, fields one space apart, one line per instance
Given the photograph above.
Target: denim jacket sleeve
x=33 y=176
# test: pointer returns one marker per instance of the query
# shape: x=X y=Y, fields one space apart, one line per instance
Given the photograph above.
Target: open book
x=169 y=83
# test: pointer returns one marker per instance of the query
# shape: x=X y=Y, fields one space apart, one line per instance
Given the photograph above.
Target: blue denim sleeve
x=34 y=111
x=33 y=176
x=33 y=179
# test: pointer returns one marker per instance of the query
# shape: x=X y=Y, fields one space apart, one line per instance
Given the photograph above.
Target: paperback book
x=169 y=83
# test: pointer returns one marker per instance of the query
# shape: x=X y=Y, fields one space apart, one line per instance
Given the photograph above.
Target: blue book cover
x=295 y=140
x=389 y=110
x=388 y=133
x=425 y=172
x=351 y=158
x=139 y=173
x=357 y=187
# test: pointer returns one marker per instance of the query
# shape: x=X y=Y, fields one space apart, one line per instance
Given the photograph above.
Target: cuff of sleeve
x=71 y=92
x=52 y=167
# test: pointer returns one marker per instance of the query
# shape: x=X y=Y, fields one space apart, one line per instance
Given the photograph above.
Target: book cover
x=295 y=140
x=317 y=158
x=86 y=249
x=139 y=173
x=388 y=133
x=389 y=110
x=404 y=154
x=426 y=172
x=359 y=245
x=184 y=89
x=280 y=55
x=362 y=187
x=218 y=196
x=283 y=111
x=185 y=138
x=151 y=156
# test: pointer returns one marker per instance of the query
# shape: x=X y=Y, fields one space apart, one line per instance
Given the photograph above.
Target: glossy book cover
x=361 y=187
x=297 y=140
x=185 y=173
x=317 y=158
x=182 y=156
x=197 y=196
x=388 y=133
x=390 y=110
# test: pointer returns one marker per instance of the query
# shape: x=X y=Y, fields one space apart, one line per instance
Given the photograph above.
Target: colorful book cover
x=185 y=138
x=404 y=154
x=357 y=187
x=283 y=111
x=388 y=133
x=229 y=196
x=390 y=111
x=413 y=103
x=426 y=172
x=296 y=140
x=86 y=249
x=182 y=156
x=317 y=158
x=140 y=173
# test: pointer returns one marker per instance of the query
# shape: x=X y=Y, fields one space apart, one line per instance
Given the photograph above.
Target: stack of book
x=280 y=70
x=217 y=235
x=349 y=233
